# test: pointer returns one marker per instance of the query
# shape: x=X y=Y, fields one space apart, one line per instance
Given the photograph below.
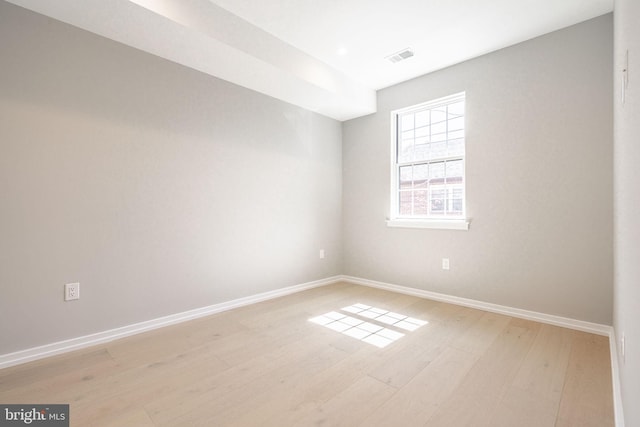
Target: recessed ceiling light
x=400 y=56
x=342 y=51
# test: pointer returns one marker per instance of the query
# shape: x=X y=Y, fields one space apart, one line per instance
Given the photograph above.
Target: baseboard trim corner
x=565 y=322
x=47 y=350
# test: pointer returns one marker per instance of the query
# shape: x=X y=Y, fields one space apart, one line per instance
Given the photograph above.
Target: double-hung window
x=428 y=163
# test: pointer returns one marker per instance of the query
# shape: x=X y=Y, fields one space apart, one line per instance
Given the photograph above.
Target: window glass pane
x=437 y=200
x=456 y=124
x=408 y=135
x=456 y=109
x=457 y=207
x=421 y=152
x=420 y=203
x=438 y=115
x=456 y=134
x=438 y=129
x=439 y=137
x=455 y=147
x=404 y=203
x=454 y=200
x=405 y=150
x=422 y=141
x=422 y=132
x=420 y=176
x=454 y=170
x=422 y=118
x=438 y=150
x=436 y=170
x=406 y=122
x=406 y=177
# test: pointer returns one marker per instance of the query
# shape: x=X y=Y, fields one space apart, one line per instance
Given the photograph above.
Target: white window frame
x=429 y=221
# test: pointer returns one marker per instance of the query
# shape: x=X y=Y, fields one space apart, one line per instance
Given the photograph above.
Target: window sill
x=440 y=224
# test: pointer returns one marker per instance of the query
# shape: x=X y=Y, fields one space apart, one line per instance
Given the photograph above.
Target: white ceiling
x=294 y=50
x=441 y=32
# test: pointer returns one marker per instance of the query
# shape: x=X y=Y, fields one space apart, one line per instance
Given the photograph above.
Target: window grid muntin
x=452 y=187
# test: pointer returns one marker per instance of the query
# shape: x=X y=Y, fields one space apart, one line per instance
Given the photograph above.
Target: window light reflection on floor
x=369 y=332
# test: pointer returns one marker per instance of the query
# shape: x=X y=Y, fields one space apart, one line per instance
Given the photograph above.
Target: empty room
x=320 y=213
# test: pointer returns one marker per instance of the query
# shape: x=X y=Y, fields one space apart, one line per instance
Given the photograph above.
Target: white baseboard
x=615 y=377
x=47 y=350
x=565 y=322
x=52 y=349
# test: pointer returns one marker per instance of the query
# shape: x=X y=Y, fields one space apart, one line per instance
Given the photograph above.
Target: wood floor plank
x=587 y=398
x=133 y=388
x=222 y=408
x=306 y=396
x=481 y=334
x=544 y=368
x=475 y=400
x=244 y=383
x=404 y=360
x=77 y=373
x=517 y=407
x=30 y=373
x=351 y=406
x=416 y=402
x=534 y=396
x=137 y=417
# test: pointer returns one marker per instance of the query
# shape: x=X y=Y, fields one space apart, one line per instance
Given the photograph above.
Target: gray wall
x=627 y=205
x=539 y=180
x=161 y=189
x=158 y=188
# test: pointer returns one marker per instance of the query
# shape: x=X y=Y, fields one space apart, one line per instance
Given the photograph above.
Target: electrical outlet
x=445 y=263
x=71 y=291
x=321 y=253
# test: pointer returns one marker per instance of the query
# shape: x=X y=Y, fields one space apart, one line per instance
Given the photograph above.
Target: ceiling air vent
x=400 y=56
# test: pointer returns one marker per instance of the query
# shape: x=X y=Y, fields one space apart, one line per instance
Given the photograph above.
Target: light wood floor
x=268 y=365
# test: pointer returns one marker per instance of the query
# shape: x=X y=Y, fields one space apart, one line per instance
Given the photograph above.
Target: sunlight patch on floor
x=363 y=327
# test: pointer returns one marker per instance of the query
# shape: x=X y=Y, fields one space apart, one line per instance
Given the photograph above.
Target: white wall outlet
x=321 y=253
x=445 y=263
x=622 y=347
x=71 y=291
